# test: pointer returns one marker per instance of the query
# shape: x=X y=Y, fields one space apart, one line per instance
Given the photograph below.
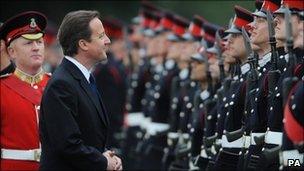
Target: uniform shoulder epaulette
x=5 y=75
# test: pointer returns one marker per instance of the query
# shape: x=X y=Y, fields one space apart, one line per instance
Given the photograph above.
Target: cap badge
x=33 y=23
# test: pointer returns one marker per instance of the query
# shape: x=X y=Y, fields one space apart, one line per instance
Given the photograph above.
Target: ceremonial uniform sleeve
x=62 y=134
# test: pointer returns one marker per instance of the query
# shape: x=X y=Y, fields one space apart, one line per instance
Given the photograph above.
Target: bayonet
x=288 y=24
x=251 y=55
x=289 y=81
x=218 y=44
x=274 y=74
x=270 y=24
x=289 y=38
x=129 y=47
x=251 y=78
x=272 y=40
x=247 y=44
x=219 y=55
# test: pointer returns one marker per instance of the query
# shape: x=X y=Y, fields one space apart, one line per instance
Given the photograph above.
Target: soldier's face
x=174 y=50
x=162 y=44
x=153 y=47
x=280 y=29
x=3 y=51
x=188 y=49
x=100 y=42
x=136 y=36
x=236 y=46
x=118 y=47
x=198 y=72
x=259 y=32
x=28 y=54
x=214 y=68
x=299 y=42
x=227 y=60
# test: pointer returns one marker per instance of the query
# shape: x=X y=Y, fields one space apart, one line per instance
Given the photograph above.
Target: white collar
x=286 y=56
x=169 y=64
x=82 y=68
x=204 y=94
x=245 y=68
x=235 y=78
x=158 y=68
x=183 y=74
x=265 y=59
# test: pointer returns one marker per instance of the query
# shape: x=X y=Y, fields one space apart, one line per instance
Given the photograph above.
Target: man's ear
x=83 y=44
x=11 y=51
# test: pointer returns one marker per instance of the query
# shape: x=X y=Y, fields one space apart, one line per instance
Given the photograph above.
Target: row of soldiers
x=204 y=97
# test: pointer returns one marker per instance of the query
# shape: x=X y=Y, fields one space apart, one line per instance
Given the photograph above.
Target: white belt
x=135 y=119
x=218 y=142
x=252 y=135
x=292 y=154
x=204 y=153
x=144 y=123
x=213 y=150
x=239 y=143
x=273 y=137
x=185 y=135
x=247 y=141
x=154 y=127
x=173 y=135
x=33 y=155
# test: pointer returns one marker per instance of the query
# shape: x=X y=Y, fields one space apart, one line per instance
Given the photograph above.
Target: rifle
x=292 y=60
x=272 y=41
x=219 y=55
x=209 y=80
x=252 y=76
x=224 y=82
x=251 y=55
x=274 y=73
x=129 y=47
x=252 y=79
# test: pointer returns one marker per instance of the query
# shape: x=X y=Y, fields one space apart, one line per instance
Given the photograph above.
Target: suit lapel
x=103 y=109
x=76 y=73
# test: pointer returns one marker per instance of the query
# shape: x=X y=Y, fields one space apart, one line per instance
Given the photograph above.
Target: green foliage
x=217 y=11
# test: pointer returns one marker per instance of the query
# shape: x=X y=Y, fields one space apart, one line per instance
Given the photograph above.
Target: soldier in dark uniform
x=174 y=54
x=182 y=102
x=273 y=137
x=197 y=119
x=213 y=118
x=156 y=98
x=291 y=72
x=257 y=98
x=7 y=66
x=206 y=104
x=138 y=76
x=176 y=44
x=231 y=142
x=141 y=72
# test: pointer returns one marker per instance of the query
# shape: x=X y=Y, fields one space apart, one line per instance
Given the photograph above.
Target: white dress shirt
x=82 y=68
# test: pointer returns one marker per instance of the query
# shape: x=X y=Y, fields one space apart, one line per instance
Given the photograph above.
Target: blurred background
x=217 y=12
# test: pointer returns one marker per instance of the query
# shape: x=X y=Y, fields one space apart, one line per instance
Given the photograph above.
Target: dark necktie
x=93 y=85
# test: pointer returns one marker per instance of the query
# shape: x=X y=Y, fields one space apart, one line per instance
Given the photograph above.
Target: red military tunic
x=20 y=103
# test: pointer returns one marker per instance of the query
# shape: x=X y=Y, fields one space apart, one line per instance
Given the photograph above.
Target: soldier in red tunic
x=21 y=91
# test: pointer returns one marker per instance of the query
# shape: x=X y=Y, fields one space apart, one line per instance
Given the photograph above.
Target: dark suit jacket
x=73 y=123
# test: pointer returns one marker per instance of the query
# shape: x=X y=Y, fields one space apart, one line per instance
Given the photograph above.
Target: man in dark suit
x=73 y=122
